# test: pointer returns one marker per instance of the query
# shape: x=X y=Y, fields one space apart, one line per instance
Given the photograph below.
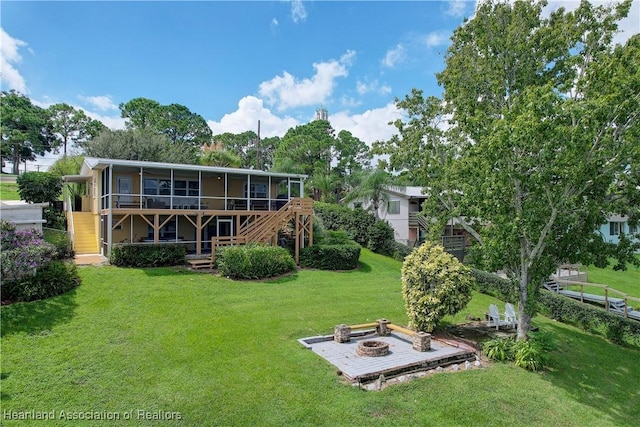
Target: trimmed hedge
x=343 y=256
x=615 y=328
x=494 y=285
x=51 y=279
x=142 y=256
x=254 y=261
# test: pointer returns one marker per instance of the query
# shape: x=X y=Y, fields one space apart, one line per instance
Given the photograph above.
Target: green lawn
x=225 y=353
x=9 y=191
x=624 y=281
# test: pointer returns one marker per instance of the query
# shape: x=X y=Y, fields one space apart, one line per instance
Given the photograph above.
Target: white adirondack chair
x=510 y=314
x=495 y=319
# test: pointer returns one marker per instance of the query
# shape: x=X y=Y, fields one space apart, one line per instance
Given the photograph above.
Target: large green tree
x=71 y=126
x=177 y=122
x=25 y=130
x=255 y=152
x=541 y=123
x=315 y=150
x=139 y=144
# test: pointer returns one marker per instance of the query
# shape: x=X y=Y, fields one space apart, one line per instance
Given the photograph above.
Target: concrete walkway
x=90 y=259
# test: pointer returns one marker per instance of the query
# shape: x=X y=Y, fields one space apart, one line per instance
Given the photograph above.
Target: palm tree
x=324 y=187
x=216 y=156
x=369 y=187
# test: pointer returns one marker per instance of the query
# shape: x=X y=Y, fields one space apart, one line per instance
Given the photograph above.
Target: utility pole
x=258 y=148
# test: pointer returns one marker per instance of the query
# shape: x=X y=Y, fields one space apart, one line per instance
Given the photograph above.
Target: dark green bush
x=494 y=285
x=62 y=243
x=51 y=279
x=39 y=187
x=381 y=240
x=355 y=222
x=148 y=255
x=359 y=225
x=401 y=251
x=343 y=256
x=254 y=261
x=592 y=319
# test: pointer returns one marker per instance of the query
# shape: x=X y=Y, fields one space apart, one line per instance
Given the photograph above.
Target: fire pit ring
x=372 y=348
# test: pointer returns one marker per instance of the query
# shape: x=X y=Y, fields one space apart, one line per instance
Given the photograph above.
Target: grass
x=225 y=353
x=624 y=281
x=9 y=191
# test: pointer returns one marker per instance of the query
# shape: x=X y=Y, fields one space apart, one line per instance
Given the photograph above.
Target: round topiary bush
x=434 y=284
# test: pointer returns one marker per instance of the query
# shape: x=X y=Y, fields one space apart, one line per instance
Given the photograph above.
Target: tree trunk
x=16 y=161
x=524 y=319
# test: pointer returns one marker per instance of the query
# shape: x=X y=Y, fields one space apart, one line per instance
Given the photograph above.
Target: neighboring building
x=24 y=215
x=401 y=213
x=616 y=225
x=149 y=202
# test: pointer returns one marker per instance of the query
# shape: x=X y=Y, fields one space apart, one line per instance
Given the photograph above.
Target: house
x=23 y=215
x=127 y=202
x=617 y=225
x=401 y=212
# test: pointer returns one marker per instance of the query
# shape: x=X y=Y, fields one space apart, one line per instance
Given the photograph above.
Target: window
x=186 y=188
x=633 y=229
x=615 y=228
x=258 y=191
x=393 y=207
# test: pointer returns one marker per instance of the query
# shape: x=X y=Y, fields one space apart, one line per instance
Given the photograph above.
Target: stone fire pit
x=372 y=348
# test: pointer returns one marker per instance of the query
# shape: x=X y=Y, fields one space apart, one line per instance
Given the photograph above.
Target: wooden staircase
x=264 y=228
x=85 y=240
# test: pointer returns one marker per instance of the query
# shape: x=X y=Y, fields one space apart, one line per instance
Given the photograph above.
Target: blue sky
x=235 y=63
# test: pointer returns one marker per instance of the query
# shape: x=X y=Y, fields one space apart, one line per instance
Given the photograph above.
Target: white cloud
x=436 y=38
x=103 y=102
x=456 y=8
x=9 y=57
x=370 y=126
x=274 y=22
x=286 y=91
x=245 y=118
x=112 y=122
x=395 y=56
x=364 y=87
x=298 y=11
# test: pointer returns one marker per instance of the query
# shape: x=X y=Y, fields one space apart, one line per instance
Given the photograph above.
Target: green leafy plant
x=434 y=284
x=498 y=349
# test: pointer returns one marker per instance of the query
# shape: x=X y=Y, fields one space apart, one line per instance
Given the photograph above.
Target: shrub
x=401 y=251
x=148 y=255
x=494 y=285
x=39 y=187
x=51 y=279
x=343 y=256
x=434 y=284
x=592 y=319
x=22 y=252
x=254 y=261
x=355 y=222
x=381 y=238
x=528 y=354
x=61 y=241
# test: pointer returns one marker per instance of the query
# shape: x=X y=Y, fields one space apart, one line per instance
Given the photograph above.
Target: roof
x=408 y=192
x=93 y=163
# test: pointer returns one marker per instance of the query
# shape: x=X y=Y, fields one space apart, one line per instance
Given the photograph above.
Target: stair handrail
x=70 y=227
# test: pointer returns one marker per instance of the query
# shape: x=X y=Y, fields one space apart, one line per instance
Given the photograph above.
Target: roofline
x=95 y=163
